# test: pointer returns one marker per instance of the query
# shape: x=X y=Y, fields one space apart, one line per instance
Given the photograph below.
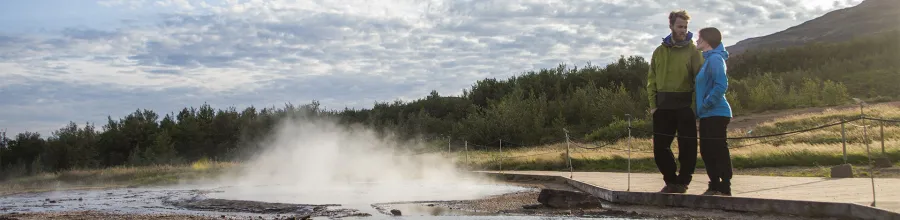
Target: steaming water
x=317 y=161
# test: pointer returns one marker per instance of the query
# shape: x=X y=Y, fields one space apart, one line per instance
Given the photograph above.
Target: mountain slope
x=869 y=17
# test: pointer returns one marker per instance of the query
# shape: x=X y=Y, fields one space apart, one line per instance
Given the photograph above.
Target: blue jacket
x=711 y=84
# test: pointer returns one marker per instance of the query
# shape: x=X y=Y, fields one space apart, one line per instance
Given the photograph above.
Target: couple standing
x=682 y=77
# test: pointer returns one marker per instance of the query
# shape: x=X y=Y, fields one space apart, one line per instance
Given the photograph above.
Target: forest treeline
x=528 y=109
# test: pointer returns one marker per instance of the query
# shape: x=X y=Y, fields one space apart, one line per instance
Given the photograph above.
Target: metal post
x=862 y=116
x=466 y=144
x=883 y=153
x=628 y=189
x=449 y=141
x=871 y=165
x=844 y=139
x=568 y=156
x=501 y=155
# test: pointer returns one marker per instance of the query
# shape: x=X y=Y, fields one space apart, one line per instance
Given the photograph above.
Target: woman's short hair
x=712 y=36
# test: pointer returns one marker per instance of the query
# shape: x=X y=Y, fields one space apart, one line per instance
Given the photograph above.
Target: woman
x=714 y=112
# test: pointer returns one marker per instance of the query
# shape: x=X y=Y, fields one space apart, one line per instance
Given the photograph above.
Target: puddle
x=426 y=209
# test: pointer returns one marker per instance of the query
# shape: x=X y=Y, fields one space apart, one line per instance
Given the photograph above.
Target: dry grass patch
x=124 y=176
x=817 y=149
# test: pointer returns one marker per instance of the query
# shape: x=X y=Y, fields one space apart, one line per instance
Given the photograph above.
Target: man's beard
x=678 y=36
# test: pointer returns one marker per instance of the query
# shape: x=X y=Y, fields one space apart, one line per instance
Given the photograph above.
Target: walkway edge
x=740 y=204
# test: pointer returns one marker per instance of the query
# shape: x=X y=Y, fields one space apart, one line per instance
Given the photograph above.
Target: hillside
x=866 y=65
x=869 y=17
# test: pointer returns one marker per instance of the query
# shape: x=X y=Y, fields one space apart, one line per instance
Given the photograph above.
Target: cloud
x=87 y=34
x=343 y=53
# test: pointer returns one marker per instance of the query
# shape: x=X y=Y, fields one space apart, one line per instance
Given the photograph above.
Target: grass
x=814 y=151
x=124 y=176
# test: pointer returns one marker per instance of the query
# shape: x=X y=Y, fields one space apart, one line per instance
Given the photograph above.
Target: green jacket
x=670 y=82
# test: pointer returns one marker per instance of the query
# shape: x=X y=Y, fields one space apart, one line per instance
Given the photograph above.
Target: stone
x=842 y=171
x=532 y=206
x=396 y=212
x=299 y=217
x=883 y=162
x=568 y=199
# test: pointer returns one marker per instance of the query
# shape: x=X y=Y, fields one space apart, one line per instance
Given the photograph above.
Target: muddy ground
x=153 y=203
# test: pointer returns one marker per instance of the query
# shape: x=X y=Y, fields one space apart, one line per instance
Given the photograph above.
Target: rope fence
x=587 y=146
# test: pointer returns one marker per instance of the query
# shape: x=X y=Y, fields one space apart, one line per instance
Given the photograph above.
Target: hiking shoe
x=712 y=189
x=666 y=189
x=712 y=192
x=679 y=188
x=674 y=188
x=725 y=188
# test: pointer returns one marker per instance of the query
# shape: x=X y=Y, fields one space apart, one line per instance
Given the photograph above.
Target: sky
x=81 y=61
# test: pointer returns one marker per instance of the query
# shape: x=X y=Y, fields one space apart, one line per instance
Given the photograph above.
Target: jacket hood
x=720 y=50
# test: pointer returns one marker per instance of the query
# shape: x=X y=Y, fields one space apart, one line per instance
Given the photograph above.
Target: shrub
x=641 y=128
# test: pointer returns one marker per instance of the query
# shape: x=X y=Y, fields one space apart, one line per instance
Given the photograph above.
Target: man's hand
x=652 y=111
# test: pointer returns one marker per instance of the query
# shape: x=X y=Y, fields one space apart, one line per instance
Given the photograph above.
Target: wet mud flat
x=200 y=203
x=160 y=203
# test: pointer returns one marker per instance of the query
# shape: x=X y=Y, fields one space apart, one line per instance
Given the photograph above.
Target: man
x=714 y=111
x=670 y=86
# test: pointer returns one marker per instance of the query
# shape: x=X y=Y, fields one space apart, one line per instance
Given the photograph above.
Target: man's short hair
x=678 y=14
x=712 y=36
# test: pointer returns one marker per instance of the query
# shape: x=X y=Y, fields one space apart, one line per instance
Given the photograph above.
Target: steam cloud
x=317 y=161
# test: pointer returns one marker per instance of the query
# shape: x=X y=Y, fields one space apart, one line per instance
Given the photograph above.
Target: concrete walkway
x=846 y=190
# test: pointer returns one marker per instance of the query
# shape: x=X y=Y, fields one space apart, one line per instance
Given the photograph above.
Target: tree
x=163 y=150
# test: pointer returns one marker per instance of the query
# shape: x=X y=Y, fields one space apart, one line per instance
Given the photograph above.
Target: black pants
x=714 y=151
x=668 y=123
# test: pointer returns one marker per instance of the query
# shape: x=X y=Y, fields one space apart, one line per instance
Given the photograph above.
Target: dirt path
x=748 y=121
